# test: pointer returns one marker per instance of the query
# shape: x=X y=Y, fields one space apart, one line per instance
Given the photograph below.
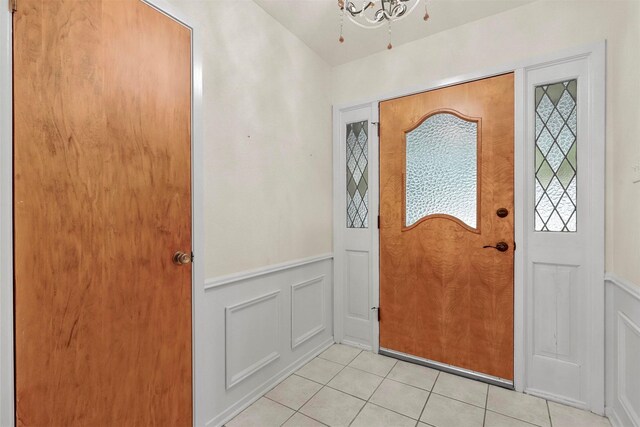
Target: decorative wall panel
x=252 y=336
x=307 y=310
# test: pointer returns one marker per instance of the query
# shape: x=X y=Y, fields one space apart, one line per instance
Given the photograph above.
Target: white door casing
x=559 y=382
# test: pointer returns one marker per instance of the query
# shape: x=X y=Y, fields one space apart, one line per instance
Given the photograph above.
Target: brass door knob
x=180 y=258
x=501 y=246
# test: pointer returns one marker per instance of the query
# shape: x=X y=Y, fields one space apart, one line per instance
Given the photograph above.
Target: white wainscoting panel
x=252 y=336
x=623 y=352
x=262 y=325
x=307 y=310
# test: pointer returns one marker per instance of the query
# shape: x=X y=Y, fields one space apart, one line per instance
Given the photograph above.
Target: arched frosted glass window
x=441 y=169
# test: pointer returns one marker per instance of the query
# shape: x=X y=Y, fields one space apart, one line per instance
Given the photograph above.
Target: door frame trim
x=7 y=392
x=596 y=53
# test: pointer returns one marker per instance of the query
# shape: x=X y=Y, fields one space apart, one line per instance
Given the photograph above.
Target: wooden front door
x=102 y=201
x=446 y=169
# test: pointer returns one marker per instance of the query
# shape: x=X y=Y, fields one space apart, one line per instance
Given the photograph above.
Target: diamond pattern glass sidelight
x=357 y=175
x=441 y=169
x=555 y=158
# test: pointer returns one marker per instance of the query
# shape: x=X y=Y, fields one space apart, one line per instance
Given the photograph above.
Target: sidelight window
x=556 y=157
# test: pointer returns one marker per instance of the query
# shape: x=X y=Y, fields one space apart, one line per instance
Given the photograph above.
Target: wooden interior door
x=102 y=201
x=443 y=296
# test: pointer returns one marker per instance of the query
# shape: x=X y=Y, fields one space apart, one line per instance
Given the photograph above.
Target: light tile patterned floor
x=348 y=387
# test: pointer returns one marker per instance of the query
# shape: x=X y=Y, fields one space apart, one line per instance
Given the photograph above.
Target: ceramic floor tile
x=445 y=412
x=262 y=413
x=518 y=405
x=460 y=388
x=493 y=419
x=340 y=353
x=320 y=370
x=415 y=375
x=373 y=363
x=332 y=407
x=402 y=398
x=299 y=420
x=376 y=416
x=566 y=416
x=294 y=391
x=355 y=382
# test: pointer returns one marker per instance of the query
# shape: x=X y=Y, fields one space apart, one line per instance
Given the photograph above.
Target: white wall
x=267 y=140
x=536 y=29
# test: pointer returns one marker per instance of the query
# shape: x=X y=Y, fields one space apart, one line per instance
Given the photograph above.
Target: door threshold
x=485 y=378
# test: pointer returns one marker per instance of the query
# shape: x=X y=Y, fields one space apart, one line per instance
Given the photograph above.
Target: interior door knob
x=180 y=258
x=501 y=246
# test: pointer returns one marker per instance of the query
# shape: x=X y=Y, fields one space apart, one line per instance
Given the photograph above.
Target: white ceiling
x=317 y=22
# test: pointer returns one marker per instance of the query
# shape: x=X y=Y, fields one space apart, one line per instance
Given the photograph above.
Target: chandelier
x=371 y=14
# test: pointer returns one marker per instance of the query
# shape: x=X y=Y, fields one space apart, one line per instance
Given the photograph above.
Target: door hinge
x=191 y=256
x=514 y=246
x=13 y=6
x=377 y=125
x=377 y=309
x=378 y=222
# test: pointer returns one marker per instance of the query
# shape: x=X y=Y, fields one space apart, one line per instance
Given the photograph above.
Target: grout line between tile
x=290 y=416
x=513 y=418
x=324 y=358
x=428 y=397
x=549 y=413
x=486 y=403
x=374 y=392
x=457 y=400
x=314 y=394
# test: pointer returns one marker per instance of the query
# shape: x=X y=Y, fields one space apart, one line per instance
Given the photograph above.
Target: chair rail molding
x=229 y=279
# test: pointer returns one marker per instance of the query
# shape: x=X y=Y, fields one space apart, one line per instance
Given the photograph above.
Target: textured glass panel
x=357 y=175
x=555 y=159
x=441 y=166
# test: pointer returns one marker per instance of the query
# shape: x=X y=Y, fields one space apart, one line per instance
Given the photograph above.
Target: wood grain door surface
x=102 y=200
x=443 y=297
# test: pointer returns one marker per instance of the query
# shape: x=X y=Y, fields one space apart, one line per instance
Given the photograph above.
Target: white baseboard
x=356 y=344
x=259 y=391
